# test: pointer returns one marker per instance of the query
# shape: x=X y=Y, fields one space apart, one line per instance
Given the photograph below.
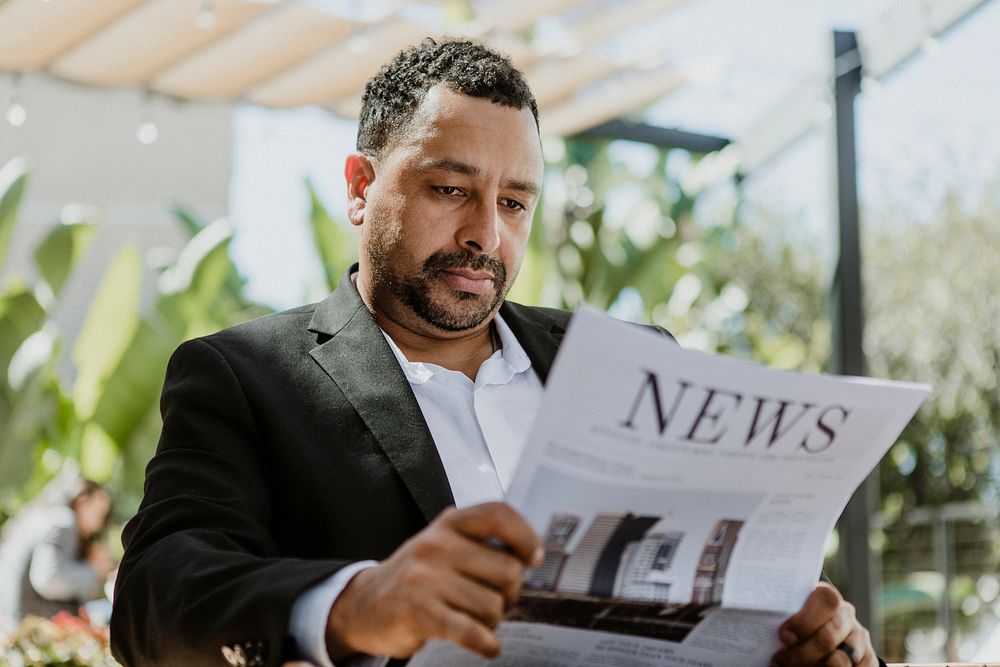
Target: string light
x=931 y=45
x=206 y=18
x=147 y=132
x=870 y=85
x=16 y=114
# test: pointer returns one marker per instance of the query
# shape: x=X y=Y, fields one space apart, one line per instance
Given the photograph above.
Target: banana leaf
x=108 y=328
x=193 y=225
x=56 y=256
x=98 y=454
x=336 y=248
x=193 y=300
x=132 y=389
x=31 y=412
x=13 y=178
x=20 y=316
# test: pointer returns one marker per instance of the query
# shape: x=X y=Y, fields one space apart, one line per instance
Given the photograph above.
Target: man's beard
x=416 y=291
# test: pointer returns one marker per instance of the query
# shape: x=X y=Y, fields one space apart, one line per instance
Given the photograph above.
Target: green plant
x=107 y=418
x=36 y=415
x=334 y=246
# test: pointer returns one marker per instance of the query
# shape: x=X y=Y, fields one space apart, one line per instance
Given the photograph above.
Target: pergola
x=578 y=55
x=587 y=73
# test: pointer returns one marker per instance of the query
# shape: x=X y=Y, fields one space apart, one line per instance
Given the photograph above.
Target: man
x=296 y=503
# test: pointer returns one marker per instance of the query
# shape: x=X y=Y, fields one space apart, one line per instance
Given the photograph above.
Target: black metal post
x=860 y=582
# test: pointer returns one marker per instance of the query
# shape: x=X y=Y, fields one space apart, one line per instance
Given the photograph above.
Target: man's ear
x=359 y=174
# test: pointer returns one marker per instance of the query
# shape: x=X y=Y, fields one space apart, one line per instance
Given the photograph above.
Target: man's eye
x=514 y=205
x=448 y=190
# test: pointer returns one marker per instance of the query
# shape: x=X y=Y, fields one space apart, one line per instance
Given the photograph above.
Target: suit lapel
x=356 y=356
x=358 y=359
x=537 y=333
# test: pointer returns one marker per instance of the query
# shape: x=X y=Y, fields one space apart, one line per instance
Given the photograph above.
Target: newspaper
x=683 y=499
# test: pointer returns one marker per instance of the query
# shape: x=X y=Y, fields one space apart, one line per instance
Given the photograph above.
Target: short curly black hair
x=392 y=96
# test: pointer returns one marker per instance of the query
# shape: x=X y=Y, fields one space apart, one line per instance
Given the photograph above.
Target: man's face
x=92 y=512
x=446 y=213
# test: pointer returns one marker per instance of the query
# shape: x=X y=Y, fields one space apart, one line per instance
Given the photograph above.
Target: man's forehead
x=460 y=128
x=446 y=107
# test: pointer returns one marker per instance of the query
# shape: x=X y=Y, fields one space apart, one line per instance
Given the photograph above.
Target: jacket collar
x=353 y=352
x=538 y=333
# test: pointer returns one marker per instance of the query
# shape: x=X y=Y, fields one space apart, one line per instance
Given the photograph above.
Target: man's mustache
x=466 y=259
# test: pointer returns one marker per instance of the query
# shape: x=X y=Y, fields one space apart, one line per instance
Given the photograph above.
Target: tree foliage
x=934 y=317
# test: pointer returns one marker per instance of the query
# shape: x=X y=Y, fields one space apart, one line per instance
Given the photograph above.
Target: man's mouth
x=469 y=280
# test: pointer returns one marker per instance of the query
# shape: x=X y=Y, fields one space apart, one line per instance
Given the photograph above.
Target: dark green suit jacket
x=292 y=446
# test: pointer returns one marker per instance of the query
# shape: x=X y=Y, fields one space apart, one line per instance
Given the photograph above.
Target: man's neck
x=464 y=352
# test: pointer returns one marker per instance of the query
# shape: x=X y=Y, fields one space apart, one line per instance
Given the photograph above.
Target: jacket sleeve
x=202 y=581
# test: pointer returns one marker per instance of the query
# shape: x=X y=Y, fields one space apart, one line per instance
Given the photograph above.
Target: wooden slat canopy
x=289 y=53
x=578 y=55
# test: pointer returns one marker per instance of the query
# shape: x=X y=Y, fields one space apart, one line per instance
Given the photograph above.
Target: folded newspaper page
x=683 y=499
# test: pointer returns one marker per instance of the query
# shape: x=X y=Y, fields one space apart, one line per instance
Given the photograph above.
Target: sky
x=926 y=128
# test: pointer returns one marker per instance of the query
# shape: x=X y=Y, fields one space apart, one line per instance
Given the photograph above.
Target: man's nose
x=481 y=229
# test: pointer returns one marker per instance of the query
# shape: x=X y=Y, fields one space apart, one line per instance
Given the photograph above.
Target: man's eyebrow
x=523 y=186
x=465 y=169
x=454 y=166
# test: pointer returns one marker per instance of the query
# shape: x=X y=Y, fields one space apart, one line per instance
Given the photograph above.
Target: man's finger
x=482 y=603
x=462 y=629
x=496 y=569
x=819 y=608
x=855 y=651
x=823 y=643
x=468 y=556
x=498 y=521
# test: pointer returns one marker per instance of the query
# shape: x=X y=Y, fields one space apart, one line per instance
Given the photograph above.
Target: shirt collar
x=417 y=372
x=511 y=350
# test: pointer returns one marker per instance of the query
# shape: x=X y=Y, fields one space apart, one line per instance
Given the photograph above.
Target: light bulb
x=931 y=46
x=16 y=114
x=871 y=85
x=147 y=132
x=206 y=17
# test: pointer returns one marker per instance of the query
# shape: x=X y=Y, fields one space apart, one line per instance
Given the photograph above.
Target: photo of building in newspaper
x=619 y=575
x=710 y=574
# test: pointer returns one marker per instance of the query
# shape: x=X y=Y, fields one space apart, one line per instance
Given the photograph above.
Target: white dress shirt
x=479 y=428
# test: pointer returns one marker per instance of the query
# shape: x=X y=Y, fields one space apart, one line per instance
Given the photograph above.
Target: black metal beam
x=665 y=137
x=847 y=318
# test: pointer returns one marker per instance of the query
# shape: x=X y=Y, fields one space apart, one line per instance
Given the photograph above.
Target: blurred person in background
x=50 y=557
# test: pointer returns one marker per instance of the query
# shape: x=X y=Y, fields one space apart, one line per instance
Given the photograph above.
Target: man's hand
x=99 y=556
x=448 y=581
x=814 y=635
